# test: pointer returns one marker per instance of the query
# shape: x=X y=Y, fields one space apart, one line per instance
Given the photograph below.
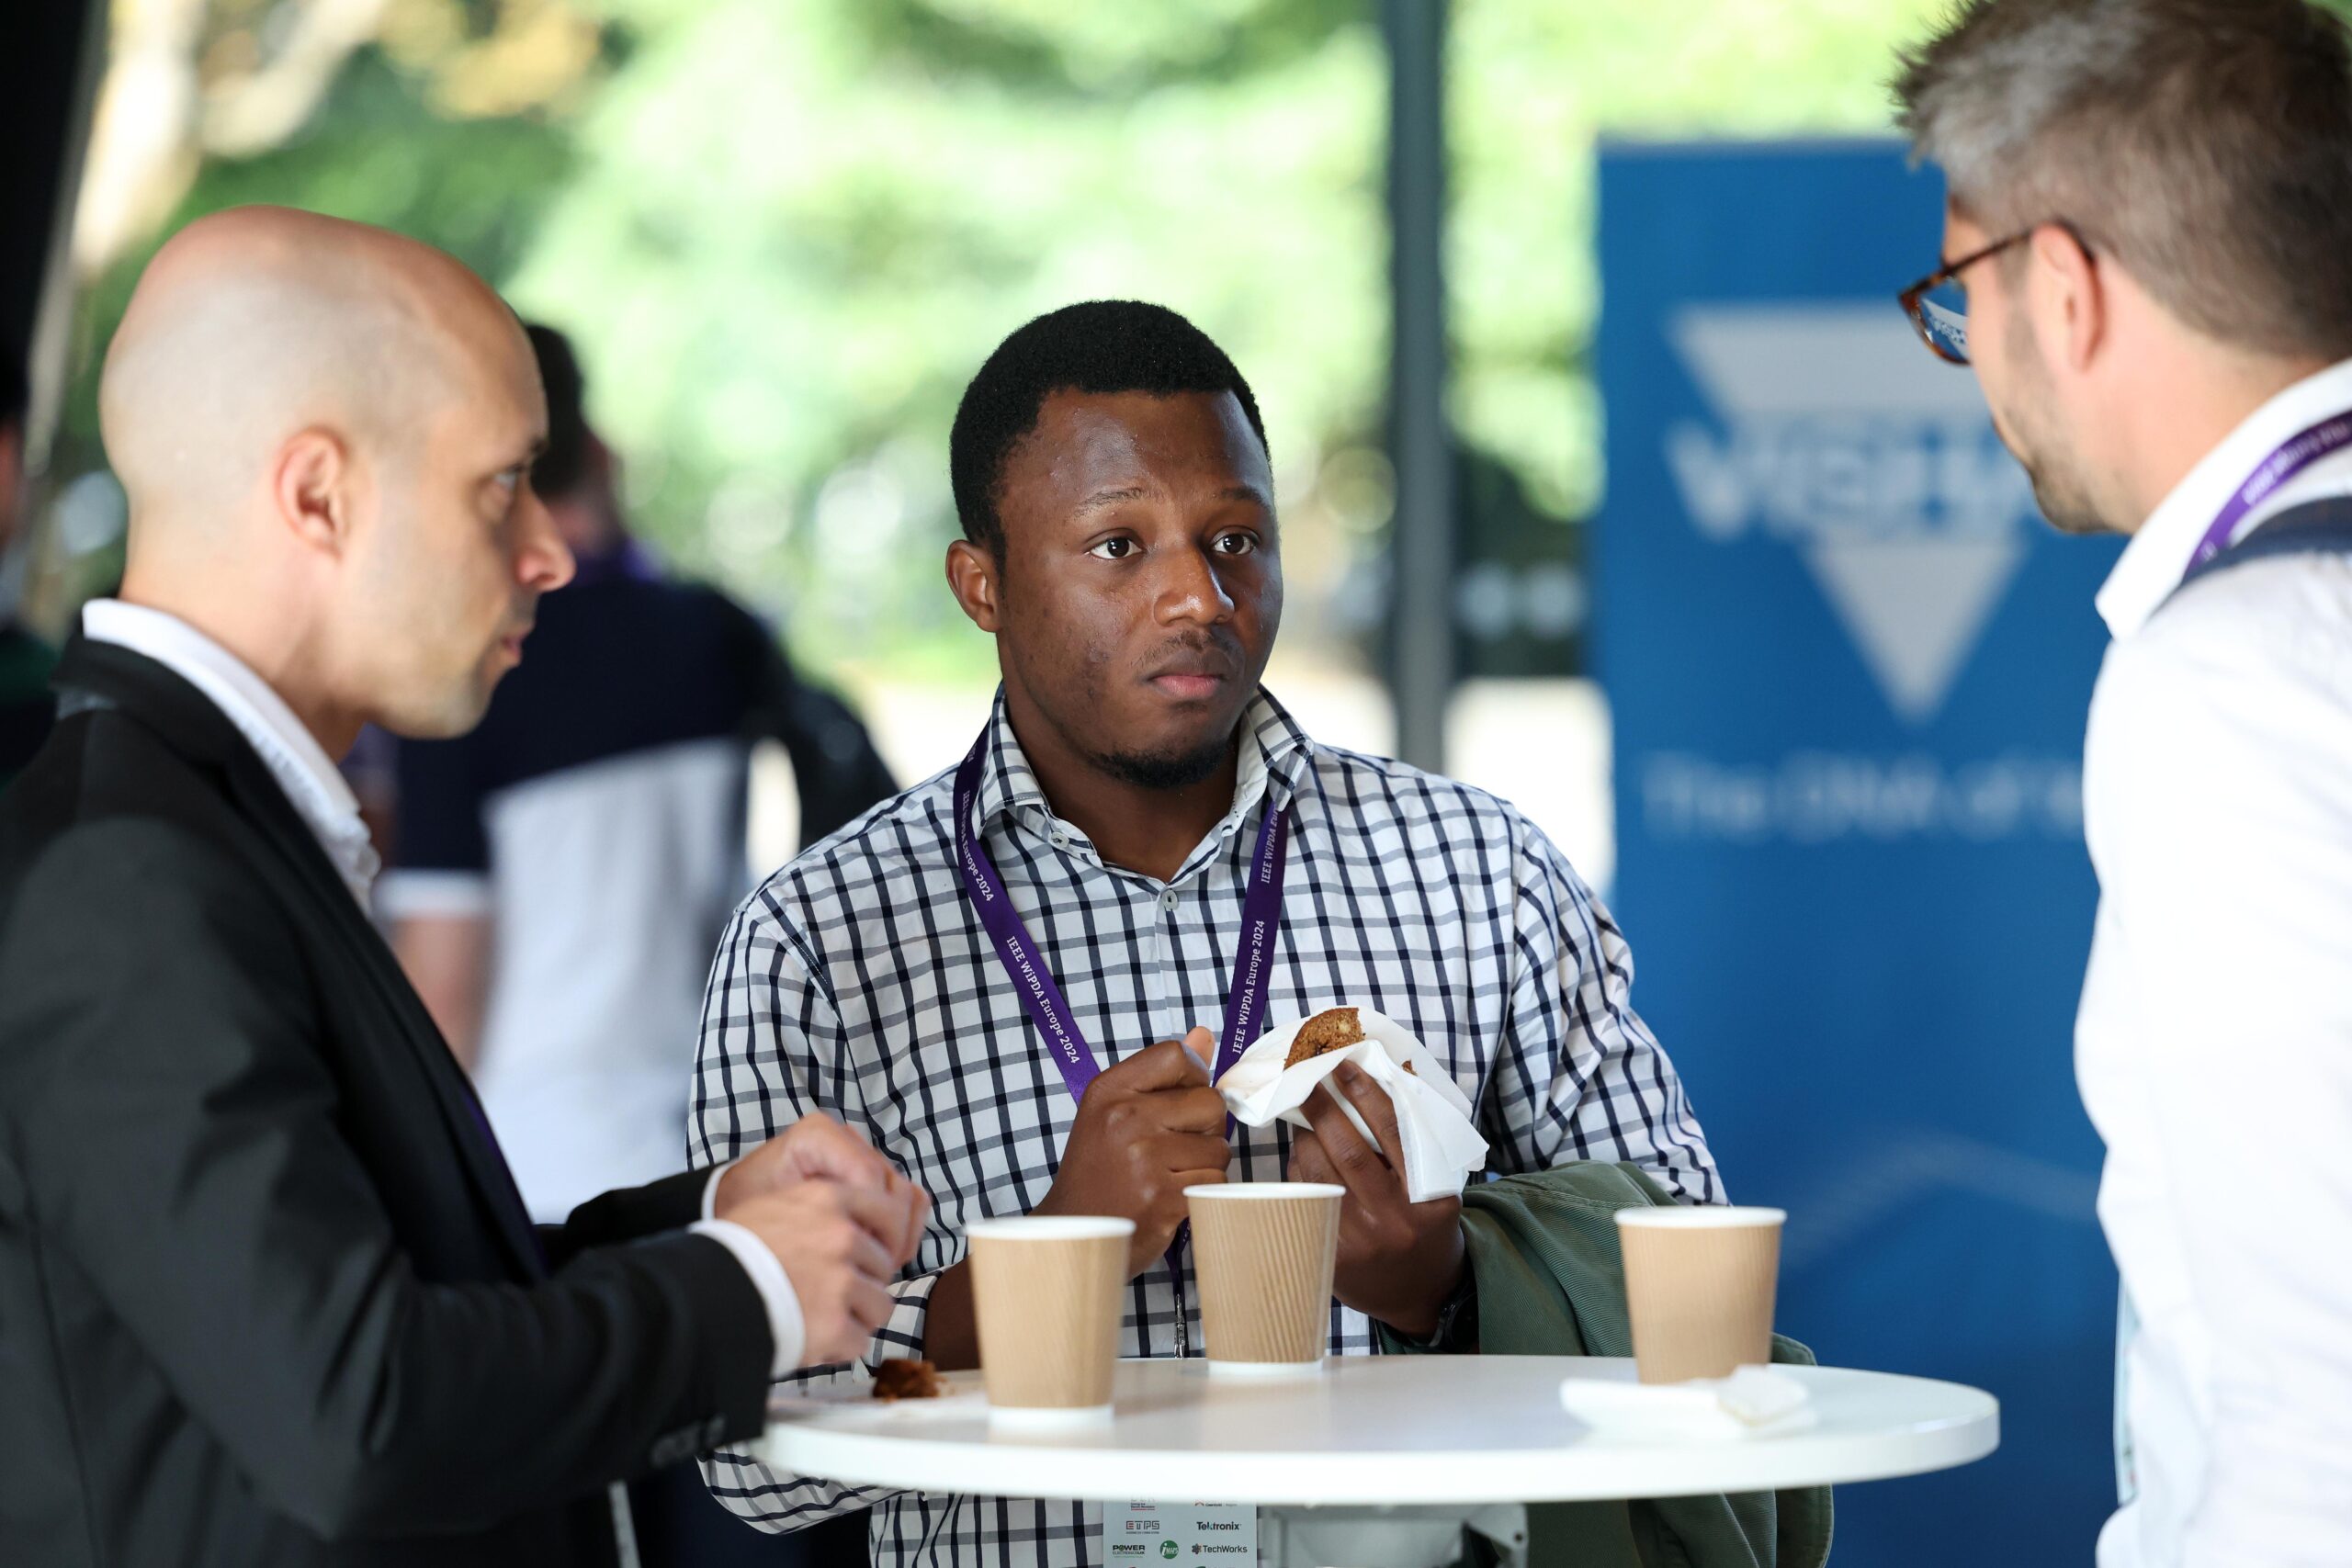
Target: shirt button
x=1059 y=838
x=1168 y=899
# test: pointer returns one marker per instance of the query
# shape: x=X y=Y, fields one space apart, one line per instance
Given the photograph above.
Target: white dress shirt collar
x=2152 y=564
x=292 y=754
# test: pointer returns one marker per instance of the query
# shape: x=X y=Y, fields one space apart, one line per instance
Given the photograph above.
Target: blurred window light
x=91 y=515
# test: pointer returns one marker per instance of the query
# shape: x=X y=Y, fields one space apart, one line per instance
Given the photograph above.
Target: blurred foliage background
x=784 y=233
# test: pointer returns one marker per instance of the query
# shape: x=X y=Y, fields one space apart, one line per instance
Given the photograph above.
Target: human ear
x=2067 y=275
x=311 y=484
x=973 y=574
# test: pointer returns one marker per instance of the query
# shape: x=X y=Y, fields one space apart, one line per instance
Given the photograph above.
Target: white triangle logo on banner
x=1913 y=607
x=1878 y=466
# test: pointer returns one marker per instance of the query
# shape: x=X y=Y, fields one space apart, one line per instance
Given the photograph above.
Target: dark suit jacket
x=266 y=1294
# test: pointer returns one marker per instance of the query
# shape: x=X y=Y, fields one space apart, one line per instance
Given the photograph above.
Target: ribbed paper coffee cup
x=1264 y=1251
x=1699 y=1285
x=1046 y=1292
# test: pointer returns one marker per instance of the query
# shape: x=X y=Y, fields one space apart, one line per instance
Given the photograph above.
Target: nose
x=543 y=562
x=1191 y=590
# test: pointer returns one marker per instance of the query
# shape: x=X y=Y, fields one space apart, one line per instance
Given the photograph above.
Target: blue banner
x=1848 y=667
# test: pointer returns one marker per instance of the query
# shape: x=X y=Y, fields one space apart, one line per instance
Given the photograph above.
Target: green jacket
x=1549 y=1282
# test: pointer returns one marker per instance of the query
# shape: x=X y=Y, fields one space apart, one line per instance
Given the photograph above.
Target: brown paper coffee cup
x=1264 y=1251
x=1046 y=1292
x=1699 y=1286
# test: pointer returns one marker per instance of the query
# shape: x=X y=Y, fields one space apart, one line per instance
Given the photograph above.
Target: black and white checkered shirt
x=858 y=981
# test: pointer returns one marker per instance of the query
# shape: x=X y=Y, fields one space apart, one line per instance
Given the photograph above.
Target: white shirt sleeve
x=407 y=894
x=2216 y=1052
x=710 y=1187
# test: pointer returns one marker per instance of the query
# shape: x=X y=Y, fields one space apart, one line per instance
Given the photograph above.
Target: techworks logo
x=1837 y=435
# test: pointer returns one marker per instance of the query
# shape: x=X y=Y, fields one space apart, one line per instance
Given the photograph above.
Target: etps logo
x=1837 y=435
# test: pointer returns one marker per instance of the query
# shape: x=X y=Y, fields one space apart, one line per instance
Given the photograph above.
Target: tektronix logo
x=1836 y=435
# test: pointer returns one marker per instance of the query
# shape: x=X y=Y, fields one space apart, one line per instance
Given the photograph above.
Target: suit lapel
x=148 y=691
x=461 y=1112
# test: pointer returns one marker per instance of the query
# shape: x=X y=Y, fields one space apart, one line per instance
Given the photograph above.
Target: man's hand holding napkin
x=1400 y=1141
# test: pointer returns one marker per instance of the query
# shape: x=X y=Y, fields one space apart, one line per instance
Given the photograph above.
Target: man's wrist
x=1455 y=1315
x=951 y=1327
x=1426 y=1320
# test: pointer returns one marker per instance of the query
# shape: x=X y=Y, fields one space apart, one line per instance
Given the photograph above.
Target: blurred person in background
x=2150 y=234
x=26 y=704
x=269 y=1295
x=563 y=872
x=1138 y=792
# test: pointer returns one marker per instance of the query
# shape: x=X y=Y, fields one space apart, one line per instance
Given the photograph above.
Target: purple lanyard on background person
x=1262 y=920
x=2299 y=452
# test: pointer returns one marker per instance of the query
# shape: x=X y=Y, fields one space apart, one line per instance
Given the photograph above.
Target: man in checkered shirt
x=1121 y=546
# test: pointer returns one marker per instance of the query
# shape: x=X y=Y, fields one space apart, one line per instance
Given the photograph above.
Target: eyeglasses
x=1937 y=305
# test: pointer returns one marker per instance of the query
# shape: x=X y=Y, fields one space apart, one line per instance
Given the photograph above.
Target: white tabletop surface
x=1380 y=1429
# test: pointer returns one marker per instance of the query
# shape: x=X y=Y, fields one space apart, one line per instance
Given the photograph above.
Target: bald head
x=255 y=324
x=324 y=432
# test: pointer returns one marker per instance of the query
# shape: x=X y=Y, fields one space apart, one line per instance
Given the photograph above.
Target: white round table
x=1388 y=1430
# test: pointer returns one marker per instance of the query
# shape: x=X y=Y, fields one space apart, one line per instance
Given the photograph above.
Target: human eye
x=502 y=493
x=1117 y=547
x=1237 y=542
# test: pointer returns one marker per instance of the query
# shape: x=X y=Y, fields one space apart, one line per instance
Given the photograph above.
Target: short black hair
x=1102 y=345
x=16 y=387
x=564 y=463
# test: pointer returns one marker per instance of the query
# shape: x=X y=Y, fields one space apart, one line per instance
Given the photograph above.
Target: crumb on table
x=899 y=1378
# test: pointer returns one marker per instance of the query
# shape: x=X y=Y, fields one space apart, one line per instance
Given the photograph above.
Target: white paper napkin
x=1442 y=1147
x=1754 y=1401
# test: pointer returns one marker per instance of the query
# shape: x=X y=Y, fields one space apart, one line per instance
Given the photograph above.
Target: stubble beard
x=1166 y=770
x=2063 y=502
x=2052 y=463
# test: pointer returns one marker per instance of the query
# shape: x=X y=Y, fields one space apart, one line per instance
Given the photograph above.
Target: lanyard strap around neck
x=2299 y=452
x=1042 y=998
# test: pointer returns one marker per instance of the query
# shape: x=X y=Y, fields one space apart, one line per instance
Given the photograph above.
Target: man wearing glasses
x=2149 y=264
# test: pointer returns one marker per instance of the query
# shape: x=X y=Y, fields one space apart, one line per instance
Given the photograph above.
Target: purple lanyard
x=1262 y=920
x=2299 y=452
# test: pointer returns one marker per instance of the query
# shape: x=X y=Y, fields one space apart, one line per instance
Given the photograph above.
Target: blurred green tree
x=785 y=235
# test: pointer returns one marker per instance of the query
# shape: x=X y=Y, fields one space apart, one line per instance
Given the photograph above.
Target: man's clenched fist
x=1398 y=1260
x=1147 y=1129
x=817 y=1147
x=839 y=1217
x=824 y=1233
